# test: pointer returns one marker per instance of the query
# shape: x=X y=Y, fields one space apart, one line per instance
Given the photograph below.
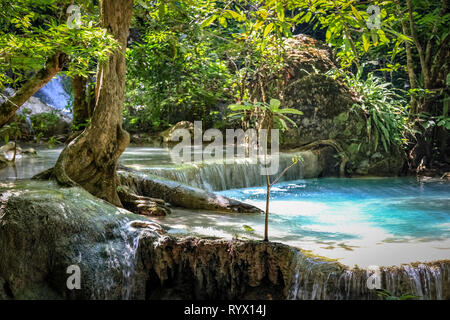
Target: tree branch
x=9 y=107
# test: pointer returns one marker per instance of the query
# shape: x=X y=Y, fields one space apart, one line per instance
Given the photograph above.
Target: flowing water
x=370 y=221
x=364 y=222
x=135 y=157
x=211 y=175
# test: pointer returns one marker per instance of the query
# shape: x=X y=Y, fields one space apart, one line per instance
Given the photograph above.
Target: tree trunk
x=80 y=103
x=90 y=160
x=415 y=37
x=409 y=59
x=266 y=219
x=41 y=78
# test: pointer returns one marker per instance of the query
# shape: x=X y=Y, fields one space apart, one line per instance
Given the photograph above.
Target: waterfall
x=242 y=173
x=315 y=280
x=128 y=270
x=115 y=276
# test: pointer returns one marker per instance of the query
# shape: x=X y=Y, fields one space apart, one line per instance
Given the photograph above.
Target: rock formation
x=44 y=230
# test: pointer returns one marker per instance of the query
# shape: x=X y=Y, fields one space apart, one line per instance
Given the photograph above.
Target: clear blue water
x=403 y=207
x=370 y=221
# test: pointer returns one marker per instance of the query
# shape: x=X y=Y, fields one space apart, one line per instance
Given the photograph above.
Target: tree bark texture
x=80 y=103
x=90 y=160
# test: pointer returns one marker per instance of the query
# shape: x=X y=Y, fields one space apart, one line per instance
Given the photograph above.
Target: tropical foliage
x=262 y=115
x=189 y=59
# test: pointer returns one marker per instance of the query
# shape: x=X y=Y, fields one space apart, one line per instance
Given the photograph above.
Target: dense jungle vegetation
x=190 y=60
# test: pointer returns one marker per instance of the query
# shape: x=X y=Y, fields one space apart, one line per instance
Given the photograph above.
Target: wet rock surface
x=44 y=230
x=179 y=194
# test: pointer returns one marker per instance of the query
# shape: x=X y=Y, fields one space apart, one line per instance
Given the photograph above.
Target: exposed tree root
x=137 y=204
x=180 y=195
x=142 y=205
x=80 y=165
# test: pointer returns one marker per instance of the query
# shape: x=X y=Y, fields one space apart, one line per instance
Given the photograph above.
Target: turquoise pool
x=367 y=221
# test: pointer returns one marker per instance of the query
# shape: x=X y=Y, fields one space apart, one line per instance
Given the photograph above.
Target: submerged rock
x=44 y=230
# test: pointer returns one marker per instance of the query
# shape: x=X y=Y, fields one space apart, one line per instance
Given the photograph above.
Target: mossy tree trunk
x=90 y=160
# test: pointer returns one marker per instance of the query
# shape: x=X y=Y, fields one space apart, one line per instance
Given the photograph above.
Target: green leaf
x=275 y=103
x=267 y=29
x=366 y=43
x=162 y=10
x=356 y=13
x=290 y=110
x=280 y=12
x=208 y=21
x=328 y=35
x=223 y=22
x=236 y=15
x=239 y=107
x=308 y=16
x=382 y=36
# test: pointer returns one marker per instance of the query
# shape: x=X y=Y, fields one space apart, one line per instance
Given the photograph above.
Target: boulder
x=324 y=101
x=327 y=105
x=45 y=229
x=7 y=151
x=186 y=125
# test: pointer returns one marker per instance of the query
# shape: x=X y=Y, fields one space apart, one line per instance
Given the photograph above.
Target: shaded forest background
x=189 y=60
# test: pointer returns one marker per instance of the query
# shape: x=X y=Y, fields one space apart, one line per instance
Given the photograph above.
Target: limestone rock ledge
x=45 y=229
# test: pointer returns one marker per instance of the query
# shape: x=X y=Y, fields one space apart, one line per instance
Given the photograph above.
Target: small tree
x=295 y=160
x=264 y=115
